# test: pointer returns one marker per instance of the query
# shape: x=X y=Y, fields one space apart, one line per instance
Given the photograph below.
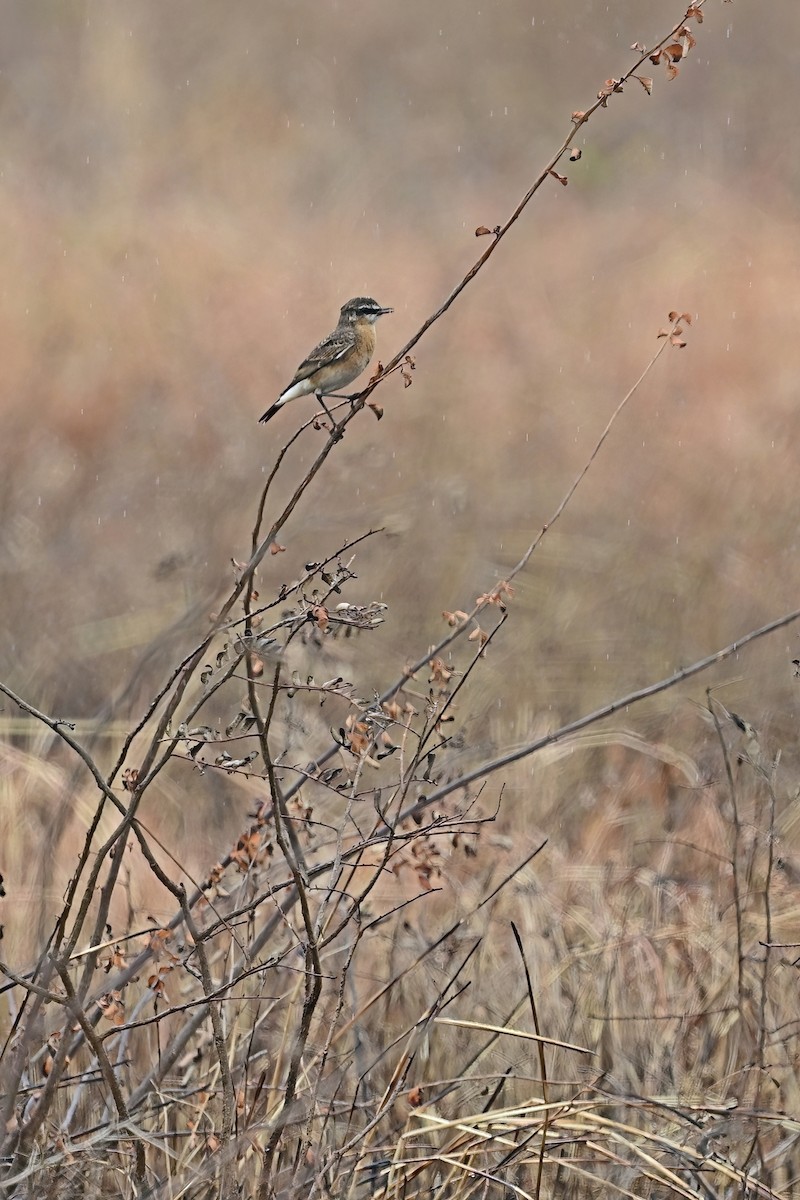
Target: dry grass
x=171 y=243
x=644 y=922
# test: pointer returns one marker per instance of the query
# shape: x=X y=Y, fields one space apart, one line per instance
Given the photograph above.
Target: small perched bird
x=338 y=358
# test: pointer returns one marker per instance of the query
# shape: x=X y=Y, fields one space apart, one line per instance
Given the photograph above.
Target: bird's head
x=361 y=308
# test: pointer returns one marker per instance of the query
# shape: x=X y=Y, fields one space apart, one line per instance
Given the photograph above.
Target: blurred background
x=189 y=193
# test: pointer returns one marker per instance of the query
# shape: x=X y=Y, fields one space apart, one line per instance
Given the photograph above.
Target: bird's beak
x=384 y=311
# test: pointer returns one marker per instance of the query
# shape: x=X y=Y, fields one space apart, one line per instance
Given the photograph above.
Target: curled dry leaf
x=319 y=614
x=610 y=85
x=112 y=1007
x=497 y=594
x=376 y=408
x=156 y=982
x=156 y=942
x=440 y=672
x=246 y=851
x=455 y=618
x=482 y=231
x=130 y=778
x=276 y=548
x=216 y=873
x=562 y=179
x=358 y=738
x=574 y=154
x=646 y=83
x=116 y=959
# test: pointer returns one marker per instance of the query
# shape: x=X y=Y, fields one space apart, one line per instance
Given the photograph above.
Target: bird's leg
x=329 y=414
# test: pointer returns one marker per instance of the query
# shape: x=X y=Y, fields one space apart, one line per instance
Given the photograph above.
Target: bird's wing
x=331 y=348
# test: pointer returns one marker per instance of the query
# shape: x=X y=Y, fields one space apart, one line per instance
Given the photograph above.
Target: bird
x=339 y=358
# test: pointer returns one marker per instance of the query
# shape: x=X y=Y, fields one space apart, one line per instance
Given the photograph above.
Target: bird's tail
x=273 y=408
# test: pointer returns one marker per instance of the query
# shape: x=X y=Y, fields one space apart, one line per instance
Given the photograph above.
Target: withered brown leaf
x=319 y=613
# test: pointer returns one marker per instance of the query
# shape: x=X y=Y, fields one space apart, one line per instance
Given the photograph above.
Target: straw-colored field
x=188 y=194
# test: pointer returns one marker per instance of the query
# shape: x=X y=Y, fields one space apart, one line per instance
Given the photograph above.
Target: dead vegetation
x=311 y=924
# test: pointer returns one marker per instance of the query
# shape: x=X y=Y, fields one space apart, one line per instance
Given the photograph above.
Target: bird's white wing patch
x=340 y=353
